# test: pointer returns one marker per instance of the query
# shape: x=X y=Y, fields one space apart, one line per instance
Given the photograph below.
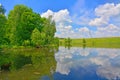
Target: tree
x=84 y=42
x=35 y=37
x=56 y=41
x=49 y=28
x=2 y=9
x=68 y=42
x=2 y=28
x=24 y=25
x=30 y=20
x=15 y=25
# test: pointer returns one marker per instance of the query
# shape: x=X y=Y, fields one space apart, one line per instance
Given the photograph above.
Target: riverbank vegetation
x=24 y=27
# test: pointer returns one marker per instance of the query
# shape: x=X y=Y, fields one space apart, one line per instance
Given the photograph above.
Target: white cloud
x=110 y=28
x=81 y=20
x=108 y=10
x=83 y=29
x=99 y=22
x=109 y=31
x=68 y=27
x=47 y=14
x=105 y=12
x=106 y=22
x=63 y=22
x=60 y=16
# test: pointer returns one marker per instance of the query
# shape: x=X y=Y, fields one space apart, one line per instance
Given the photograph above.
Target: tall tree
x=15 y=24
x=2 y=28
x=49 y=29
x=22 y=24
x=30 y=20
x=2 y=9
x=35 y=37
x=3 y=20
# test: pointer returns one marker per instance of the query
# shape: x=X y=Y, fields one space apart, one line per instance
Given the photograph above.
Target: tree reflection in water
x=28 y=64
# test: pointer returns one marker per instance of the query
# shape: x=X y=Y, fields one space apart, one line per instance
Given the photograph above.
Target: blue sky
x=77 y=18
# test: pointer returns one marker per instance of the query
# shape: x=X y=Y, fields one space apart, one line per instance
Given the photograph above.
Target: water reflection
x=87 y=64
x=27 y=64
x=60 y=64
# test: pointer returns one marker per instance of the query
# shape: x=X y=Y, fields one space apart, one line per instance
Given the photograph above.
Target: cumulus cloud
x=106 y=20
x=108 y=10
x=110 y=30
x=102 y=21
x=47 y=14
x=63 y=22
x=60 y=16
x=83 y=29
x=104 y=13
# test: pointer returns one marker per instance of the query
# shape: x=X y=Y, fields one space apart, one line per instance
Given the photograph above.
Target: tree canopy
x=23 y=26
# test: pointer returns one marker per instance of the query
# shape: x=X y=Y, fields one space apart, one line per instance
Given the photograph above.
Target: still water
x=61 y=63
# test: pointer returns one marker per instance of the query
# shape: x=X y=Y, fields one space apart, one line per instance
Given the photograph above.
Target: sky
x=77 y=18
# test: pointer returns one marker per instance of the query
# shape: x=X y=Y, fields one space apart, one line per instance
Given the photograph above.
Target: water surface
x=75 y=63
x=87 y=64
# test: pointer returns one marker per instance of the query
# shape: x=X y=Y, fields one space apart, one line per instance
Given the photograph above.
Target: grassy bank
x=111 y=42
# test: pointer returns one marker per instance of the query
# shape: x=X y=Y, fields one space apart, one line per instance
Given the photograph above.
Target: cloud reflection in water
x=105 y=63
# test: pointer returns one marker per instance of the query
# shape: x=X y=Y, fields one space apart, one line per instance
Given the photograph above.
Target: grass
x=111 y=42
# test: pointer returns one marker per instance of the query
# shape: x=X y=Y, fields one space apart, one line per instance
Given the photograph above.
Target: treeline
x=23 y=27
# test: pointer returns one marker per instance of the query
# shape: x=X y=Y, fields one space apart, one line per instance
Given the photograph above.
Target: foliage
x=25 y=27
x=35 y=37
x=26 y=43
x=2 y=28
x=49 y=29
x=2 y=9
x=15 y=26
x=26 y=65
x=84 y=42
x=30 y=21
x=56 y=41
x=68 y=42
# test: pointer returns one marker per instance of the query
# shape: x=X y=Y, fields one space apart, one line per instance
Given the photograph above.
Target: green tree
x=30 y=21
x=68 y=42
x=56 y=41
x=2 y=28
x=14 y=24
x=49 y=28
x=2 y=9
x=26 y=43
x=84 y=43
x=22 y=24
x=35 y=37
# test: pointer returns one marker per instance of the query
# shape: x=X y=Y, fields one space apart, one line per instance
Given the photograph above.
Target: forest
x=24 y=27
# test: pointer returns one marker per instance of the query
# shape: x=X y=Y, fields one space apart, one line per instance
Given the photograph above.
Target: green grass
x=111 y=42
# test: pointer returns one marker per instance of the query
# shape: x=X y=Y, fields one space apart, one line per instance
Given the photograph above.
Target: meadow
x=109 y=42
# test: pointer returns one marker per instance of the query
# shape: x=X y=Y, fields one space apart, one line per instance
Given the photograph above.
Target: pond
x=75 y=63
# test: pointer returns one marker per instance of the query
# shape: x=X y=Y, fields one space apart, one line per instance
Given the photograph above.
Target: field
x=111 y=42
